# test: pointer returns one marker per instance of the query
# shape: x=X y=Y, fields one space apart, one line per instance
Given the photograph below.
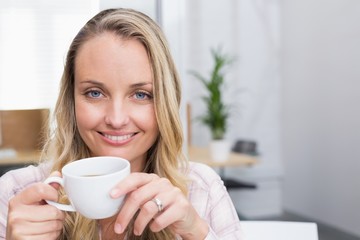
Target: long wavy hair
x=165 y=157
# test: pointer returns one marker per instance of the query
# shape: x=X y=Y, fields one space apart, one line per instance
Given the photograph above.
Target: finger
x=55 y=174
x=43 y=213
x=150 y=211
x=35 y=194
x=38 y=228
x=147 y=212
x=180 y=214
x=48 y=236
x=33 y=214
x=135 y=199
x=165 y=219
x=168 y=199
x=131 y=183
x=35 y=219
x=142 y=199
x=45 y=227
x=149 y=191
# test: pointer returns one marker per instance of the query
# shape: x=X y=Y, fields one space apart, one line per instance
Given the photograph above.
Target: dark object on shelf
x=230 y=183
x=246 y=147
x=235 y=184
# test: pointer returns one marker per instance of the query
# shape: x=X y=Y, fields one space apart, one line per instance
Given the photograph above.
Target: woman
x=120 y=96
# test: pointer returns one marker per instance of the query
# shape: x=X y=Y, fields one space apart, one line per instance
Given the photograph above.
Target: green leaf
x=217 y=113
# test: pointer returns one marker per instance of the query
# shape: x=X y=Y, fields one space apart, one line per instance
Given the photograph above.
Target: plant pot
x=220 y=150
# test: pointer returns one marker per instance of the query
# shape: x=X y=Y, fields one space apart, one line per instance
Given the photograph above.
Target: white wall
x=321 y=116
x=248 y=30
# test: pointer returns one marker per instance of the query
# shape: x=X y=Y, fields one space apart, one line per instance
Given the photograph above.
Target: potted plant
x=217 y=112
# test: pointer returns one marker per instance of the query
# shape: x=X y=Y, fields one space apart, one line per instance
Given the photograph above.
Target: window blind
x=34 y=38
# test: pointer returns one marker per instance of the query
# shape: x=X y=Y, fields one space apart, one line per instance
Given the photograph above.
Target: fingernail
x=118 y=229
x=136 y=233
x=114 y=193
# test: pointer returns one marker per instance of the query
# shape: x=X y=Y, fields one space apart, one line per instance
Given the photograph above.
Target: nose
x=117 y=114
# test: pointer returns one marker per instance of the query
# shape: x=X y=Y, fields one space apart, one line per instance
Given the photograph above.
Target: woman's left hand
x=176 y=211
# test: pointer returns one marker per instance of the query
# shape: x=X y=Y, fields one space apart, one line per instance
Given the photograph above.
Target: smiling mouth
x=118 y=138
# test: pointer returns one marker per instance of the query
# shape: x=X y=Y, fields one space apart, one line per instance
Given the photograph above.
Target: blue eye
x=94 y=94
x=140 y=95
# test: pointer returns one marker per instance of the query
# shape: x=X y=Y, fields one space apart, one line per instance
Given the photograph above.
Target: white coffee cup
x=87 y=183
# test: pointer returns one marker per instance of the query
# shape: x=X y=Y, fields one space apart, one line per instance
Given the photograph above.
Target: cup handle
x=64 y=207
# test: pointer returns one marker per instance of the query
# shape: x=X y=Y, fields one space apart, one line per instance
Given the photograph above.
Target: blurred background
x=294 y=88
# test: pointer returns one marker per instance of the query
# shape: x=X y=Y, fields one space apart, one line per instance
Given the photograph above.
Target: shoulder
x=205 y=189
x=202 y=175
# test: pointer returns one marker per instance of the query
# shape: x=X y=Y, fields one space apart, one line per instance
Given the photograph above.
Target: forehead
x=111 y=54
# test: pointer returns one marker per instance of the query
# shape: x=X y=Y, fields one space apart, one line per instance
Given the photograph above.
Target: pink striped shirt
x=206 y=193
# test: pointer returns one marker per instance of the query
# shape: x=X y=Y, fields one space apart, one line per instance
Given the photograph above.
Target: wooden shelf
x=199 y=154
x=22 y=157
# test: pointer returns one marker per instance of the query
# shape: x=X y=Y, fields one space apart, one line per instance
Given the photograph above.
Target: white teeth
x=118 y=138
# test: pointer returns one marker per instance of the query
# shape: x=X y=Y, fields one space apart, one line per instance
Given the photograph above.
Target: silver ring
x=158 y=204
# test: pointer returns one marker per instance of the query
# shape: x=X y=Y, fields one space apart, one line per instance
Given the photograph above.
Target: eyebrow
x=92 y=82
x=135 y=85
x=141 y=84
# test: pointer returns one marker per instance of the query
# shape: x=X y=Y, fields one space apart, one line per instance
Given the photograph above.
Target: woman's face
x=114 y=98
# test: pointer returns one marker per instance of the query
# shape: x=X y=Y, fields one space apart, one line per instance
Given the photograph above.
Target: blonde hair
x=165 y=156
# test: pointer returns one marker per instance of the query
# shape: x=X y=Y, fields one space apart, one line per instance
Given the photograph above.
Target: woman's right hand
x=29 y=217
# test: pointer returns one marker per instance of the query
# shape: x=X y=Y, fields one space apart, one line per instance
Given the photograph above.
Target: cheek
x=85 y=116
x=147 y=121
